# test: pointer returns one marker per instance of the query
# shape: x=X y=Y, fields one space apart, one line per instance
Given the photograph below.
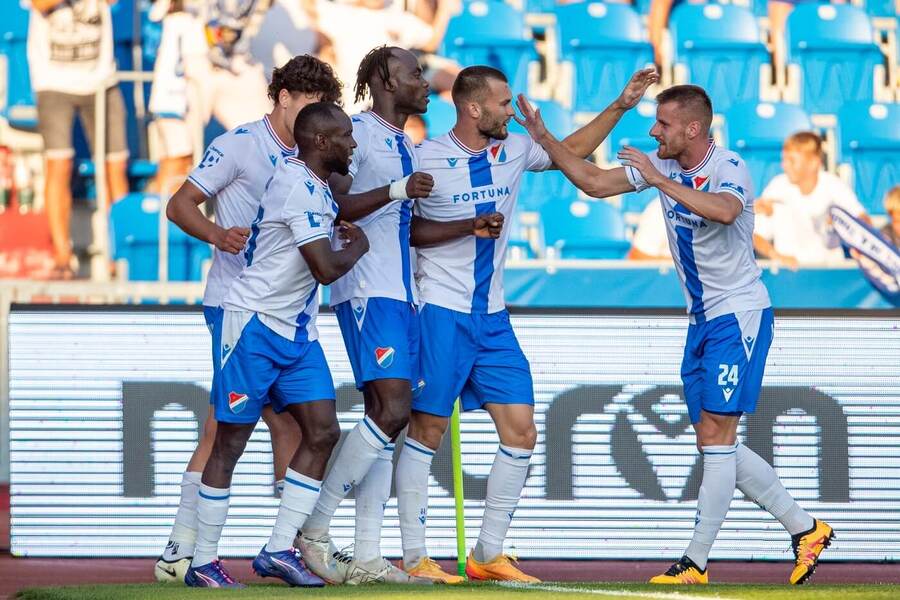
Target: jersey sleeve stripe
x=311 y=238
x=199 y=185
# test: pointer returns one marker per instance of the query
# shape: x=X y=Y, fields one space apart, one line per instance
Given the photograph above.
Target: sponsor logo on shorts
x=237 y=402
x=384 y=357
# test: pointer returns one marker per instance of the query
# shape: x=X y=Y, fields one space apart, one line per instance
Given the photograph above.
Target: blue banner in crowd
x=877 y=258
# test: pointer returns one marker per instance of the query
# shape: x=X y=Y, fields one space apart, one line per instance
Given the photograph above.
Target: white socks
x=758 y=481
x=184 y=531
x=297 y=502
x=359 y=452
x=504 y=487
x=372 y=495
x=716 y=492
x=212 y=509
x=413 y=469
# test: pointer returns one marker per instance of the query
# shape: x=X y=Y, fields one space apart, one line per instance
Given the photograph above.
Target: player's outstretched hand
x=488 y=226
x=353 y=237
x=632 y=157
x=636 y=87
x=531 y=119
x=231 y=240
x=419 y=185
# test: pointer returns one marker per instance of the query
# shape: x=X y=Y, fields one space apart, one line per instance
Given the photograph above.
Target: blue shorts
x=475 y=357
x=259 y=366
x=724 y=361
x=382 y=339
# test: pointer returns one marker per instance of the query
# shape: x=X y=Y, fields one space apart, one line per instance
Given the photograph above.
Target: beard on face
x=339 y=165
x=494 y=128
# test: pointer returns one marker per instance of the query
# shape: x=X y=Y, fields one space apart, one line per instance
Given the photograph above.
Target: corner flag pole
x=458 y=493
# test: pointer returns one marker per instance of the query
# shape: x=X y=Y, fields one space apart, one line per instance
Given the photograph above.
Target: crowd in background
x=213 y=59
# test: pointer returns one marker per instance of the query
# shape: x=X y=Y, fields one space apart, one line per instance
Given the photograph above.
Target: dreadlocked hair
x=375 y=63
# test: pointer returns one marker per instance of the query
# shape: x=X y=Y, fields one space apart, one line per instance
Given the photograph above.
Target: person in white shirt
x=706 y=197
x=269 y=348
x=234 y=171
x=650 y=241
x=70 y=58
x=793 y=226
x=468 y=348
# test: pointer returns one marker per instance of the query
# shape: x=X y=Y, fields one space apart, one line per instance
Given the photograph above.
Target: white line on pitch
x=619 y=593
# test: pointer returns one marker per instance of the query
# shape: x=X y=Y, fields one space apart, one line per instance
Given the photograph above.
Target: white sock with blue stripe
x=759 y=482
x=372 y=494
x=413 y=469
x=212 y=510
x=297 y=502
x=358 y=453
x=184 y=531
x=504 y=488
x=716 y=492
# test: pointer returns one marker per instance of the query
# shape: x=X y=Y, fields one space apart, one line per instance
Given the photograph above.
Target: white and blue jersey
x=269 y=342
x=383 y=154
x=715 y=262
x=468 y=346
x=375 y=301
x=466 y=274
x=732 y=324
x=235 y=169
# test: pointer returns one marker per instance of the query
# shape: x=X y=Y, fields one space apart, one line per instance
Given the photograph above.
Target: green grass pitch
x=581 y=591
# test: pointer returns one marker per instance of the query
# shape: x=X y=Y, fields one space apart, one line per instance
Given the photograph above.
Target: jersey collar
x=465 y=148
x=706 y=157
x=379 y=119
x=291 y=149
x=297 y=161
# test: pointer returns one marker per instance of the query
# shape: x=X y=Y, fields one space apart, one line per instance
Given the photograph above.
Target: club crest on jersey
x=384 y=357
x=310 y=186
x=497 y=154
x=452 y=161
x=700 y=183
x=237 y=402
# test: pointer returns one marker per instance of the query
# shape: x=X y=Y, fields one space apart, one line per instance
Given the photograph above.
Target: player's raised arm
x=722 y=207
x=586 y=139
x=425 y=232
x=327 y=265
x=356 y=206
x=589 y=178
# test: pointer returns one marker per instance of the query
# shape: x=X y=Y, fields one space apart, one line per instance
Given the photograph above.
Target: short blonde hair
x=892 y=199
x=805 y=141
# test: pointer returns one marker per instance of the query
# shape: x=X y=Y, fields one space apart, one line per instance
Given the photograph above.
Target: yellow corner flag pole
x=458 y=493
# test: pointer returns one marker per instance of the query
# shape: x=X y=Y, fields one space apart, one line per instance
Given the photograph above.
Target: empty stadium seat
x=881 y=8
x=605 y=44
x=17 y=105
x=490 y=32
x=441 y=116
x=538 y=188
x=579 y=229
x=869 y=141
x=718 y=47
x=832 y=47
x=134 y=237
x=757 y=132
x=634 y=130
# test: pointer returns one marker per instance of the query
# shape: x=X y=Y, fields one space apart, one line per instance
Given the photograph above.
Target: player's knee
x=322 y=440
x=208 y=435
x=524 y=437
x=392 y=419
x=227 y=450
x=427 y=429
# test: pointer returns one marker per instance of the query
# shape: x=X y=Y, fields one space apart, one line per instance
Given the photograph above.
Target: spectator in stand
x=70 y=57
x=792 y=222
x=891 y=231
x=357 y=26
x=650 y=241
x=290 y=28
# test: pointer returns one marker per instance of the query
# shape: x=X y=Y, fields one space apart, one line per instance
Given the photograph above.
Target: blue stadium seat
x=605 y=43
x=757 y=132
x=634 y=130
x=441 y=116
x=134 y=235
x=720 y=48
x=538 y=188
x=881 y=8
x=833 y=47
x=580 y=229
x=18 y=106
x=490 y=32
x=869 y=141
